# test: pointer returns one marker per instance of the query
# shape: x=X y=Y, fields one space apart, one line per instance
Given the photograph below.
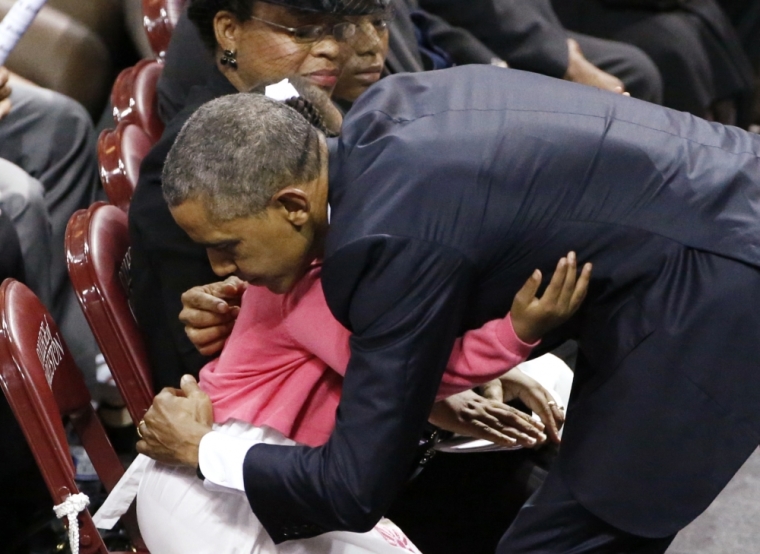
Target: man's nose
x=222 y=266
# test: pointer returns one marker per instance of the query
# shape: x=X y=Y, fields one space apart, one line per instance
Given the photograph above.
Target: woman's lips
x=326 y=78
x=369 y=75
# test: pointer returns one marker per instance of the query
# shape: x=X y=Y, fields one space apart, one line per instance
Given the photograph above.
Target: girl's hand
x=469 y=414
x=532 y=317
x=516 y=384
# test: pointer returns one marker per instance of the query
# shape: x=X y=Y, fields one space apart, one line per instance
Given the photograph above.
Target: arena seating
x=120 y=152
x=97 y=250
x=43 y=385
x=160 y=18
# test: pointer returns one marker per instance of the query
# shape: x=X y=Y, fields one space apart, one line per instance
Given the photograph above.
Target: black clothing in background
x=165 y=262
x=461 y=46
x=694 y=45
x=528 y=35
x=745 y=15
x=188 y=63
x=11 y=262
x=463 y=503
x=24 y=494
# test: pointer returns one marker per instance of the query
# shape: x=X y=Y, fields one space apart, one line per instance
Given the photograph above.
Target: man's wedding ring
x=551 y=403
x=139 y=433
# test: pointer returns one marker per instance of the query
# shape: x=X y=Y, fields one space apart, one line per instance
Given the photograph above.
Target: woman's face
x=266 y=53
x=369 y=48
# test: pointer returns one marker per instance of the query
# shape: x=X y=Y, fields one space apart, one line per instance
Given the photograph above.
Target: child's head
x=365 y=66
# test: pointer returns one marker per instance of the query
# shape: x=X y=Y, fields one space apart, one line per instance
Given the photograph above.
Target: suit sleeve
x=403 y=300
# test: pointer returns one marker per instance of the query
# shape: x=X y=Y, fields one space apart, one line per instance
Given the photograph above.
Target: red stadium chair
x=43 y=385
x=160 y=17
x=134 y=97
x=120 y=152
x=121 y=94
x=97 y=252
x=146 y=76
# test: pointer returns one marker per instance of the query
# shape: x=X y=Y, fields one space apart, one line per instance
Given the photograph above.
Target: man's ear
x=296 y=205
x=226 y=28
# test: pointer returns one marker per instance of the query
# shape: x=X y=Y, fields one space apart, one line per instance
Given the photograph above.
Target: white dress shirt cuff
x=221 y=458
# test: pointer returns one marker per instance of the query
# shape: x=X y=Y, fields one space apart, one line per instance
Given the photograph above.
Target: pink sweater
x=284 y=362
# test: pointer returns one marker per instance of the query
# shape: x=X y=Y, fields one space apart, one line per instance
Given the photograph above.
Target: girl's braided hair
x=309 y=111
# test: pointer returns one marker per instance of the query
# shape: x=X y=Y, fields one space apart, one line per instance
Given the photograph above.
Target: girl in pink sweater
x=278 y=380
x=283 y=364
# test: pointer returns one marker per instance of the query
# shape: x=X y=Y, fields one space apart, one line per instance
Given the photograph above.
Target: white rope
x=71 y=507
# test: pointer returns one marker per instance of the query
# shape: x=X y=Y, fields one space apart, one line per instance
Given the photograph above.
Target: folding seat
x=134 y=97
x=146 y=76
x=97 y=251
x=43 y=385
x=120 y=152
x=160 y=18
x=121 y=94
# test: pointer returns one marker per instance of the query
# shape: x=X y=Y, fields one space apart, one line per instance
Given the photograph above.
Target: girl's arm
x=500 y=345
x=483 y=355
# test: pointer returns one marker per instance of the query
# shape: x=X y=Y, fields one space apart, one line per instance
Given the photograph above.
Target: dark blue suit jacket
x=447 y=190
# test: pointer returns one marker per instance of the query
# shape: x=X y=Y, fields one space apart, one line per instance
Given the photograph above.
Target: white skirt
x=177 y=514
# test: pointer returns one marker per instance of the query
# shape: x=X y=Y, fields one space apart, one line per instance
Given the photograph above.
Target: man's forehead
x=193 y=216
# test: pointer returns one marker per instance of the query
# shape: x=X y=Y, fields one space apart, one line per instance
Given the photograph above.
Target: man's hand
x=533 y=317
x=469 y=414
x=174 y=425
x=516 y=384
x=580 y=70
x=209 y=313
x=5 y=92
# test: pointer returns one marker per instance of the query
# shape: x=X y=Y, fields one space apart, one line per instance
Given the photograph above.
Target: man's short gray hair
x=236 y=152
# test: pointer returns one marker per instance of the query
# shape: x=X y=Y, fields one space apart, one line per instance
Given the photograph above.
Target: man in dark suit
x=446 y=189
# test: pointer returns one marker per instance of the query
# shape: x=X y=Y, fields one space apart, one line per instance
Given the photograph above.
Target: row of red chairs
x=138 y=126
x=40 y=379
x=38 y=376
x=43 y=385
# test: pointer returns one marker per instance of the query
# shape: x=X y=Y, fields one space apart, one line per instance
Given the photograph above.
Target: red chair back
x=147 y=73
x=97 y=248
x=121 y=94
x=120 y=153
x=134 y=97
x=160 y=18
x=42 y=385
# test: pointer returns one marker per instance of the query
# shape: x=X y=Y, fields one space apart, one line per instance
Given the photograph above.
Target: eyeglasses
x=342 y=31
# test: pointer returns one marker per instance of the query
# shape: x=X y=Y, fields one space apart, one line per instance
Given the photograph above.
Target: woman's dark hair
x=202 y=13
